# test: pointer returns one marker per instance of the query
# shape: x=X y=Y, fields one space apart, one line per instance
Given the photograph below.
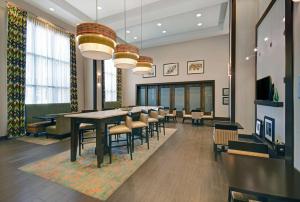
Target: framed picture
x=225 y=91
x=195 y=67
x=225 y=100
x=152 y=73
x=171 y=69
x=269 y=131
x=258 y=128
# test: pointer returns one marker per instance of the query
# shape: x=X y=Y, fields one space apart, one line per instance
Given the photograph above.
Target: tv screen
x=264 y=88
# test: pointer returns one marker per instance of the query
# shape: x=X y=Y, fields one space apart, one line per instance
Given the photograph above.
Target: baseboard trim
x=2 y=138
x=222 y=118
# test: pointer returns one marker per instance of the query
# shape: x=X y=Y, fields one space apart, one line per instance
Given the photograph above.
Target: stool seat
x=152 y=120
x=119 y=129
x=138 y=124
x=86 y=126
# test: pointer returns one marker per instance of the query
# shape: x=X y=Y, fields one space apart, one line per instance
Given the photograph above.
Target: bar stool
x=117 y=131
x=138 y=127
x=161 y=119
x=172 y=115
x=153 y=123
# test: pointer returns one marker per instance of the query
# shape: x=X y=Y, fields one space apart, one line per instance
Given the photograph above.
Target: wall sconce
x=99 y=80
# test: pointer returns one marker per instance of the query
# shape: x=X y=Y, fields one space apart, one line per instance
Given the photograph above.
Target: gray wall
x=215 y=52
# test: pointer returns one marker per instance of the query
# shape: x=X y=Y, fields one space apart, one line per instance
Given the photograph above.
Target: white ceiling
x=178 y=17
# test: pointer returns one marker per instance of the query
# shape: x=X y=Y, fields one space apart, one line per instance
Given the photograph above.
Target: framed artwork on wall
x=225 y=100
x=225 y=91
x=269 y=124
x=195 y=67
x=152 y=73
x=171 y=69
x=258 y=127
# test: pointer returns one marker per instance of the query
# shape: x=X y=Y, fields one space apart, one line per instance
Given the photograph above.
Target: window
x=110 y=79
x=47 y=64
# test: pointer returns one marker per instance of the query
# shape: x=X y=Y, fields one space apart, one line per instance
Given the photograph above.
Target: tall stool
x=117 y=131
x=172 y=115
x=162 y=119
x=137 y=129
x=153 y=123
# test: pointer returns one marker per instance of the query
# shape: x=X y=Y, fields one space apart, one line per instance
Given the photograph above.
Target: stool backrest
x=153 y=114
x=128 y=122
x=197 y=114
x=144 y=118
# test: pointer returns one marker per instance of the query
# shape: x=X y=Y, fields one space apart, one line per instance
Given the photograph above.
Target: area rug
x=41 y=140
x=84 y=176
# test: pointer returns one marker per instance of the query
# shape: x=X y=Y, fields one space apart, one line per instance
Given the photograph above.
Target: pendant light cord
x=125 y=22
x=96 y=11
x=141 y=24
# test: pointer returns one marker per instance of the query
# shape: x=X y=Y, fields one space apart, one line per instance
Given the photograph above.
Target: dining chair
x=185 y=115
x=172 y=115
x=197 y=117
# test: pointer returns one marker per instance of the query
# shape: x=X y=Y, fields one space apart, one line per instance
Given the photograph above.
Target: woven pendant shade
x=144 y=65
x=96 y=41
x=126 y=56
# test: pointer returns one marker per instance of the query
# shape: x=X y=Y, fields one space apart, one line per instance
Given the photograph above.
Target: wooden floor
x=182 y=170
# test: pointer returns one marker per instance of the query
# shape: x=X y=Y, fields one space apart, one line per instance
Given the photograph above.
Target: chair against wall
x=222 y=134
x=172 y=115
x=62 y=128
x=118 y=130
x=185 y=115
x=197 y=117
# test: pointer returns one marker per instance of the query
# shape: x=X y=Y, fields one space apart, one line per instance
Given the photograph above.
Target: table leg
x=99 y=142
x=74 y=138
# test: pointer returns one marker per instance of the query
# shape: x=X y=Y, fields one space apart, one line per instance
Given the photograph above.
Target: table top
x=229 y=123
x=272 y=177
x=110 y=113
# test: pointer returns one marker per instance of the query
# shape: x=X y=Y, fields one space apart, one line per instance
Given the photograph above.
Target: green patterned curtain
x=74 y=96
x=16 y=65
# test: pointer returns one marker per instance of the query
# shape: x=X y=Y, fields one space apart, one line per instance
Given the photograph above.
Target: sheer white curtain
x=47 y=64
x=110 y=77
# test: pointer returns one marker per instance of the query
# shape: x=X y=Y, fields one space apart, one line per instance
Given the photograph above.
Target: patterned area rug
x=41 y=140
x=84 y=176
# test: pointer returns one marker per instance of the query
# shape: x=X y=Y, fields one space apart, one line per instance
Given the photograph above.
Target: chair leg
x=215 y=151
x=164 y=128
x=129 y=141
x=147 y=137
x=80 y=143
x=157 y=130
x=132 y=142
x=182 y=120
x=110 y=157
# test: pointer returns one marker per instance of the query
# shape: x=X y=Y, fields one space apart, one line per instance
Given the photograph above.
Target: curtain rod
x=38 y=17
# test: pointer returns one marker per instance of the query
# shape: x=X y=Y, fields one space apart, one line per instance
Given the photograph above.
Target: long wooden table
x=98 y=119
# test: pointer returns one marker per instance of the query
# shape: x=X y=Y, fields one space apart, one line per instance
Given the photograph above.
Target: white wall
x=297 y=85
x=262 y=6
x=246 y=19
x=214 y=51
x=3 y=69
x=3 y=89
x=271 y=62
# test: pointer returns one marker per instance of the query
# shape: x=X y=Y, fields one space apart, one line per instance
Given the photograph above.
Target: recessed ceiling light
x=99 y=8
x=128 y=31
x=159 y=24
x=164 y=31
x=247 y=58
x=200 y=24
x=255 y=49
x=135 y=38
x=266 y=39
x=52 y=9
x=198 y=15
x=283 y=20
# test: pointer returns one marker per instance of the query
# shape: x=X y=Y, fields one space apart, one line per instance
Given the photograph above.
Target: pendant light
x=126 y=55
x=96 y=41
x=144 y=64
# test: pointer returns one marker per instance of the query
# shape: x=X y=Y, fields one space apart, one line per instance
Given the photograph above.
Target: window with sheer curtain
x=47 y=64
x=110 y=83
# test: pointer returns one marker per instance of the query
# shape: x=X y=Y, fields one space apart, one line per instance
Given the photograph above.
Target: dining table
x=99 y=119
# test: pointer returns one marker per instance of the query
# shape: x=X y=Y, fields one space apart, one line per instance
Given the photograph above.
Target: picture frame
x=258 y=127
x=225 y=92
x=225 y=100
x=195 y=67
x=269 y=129
x=152 y=73
x=171 y=69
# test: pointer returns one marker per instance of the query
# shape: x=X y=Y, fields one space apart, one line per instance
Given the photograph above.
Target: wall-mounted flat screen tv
x=264 y=89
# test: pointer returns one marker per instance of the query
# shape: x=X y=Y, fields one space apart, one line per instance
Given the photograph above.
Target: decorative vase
x=275 y=96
